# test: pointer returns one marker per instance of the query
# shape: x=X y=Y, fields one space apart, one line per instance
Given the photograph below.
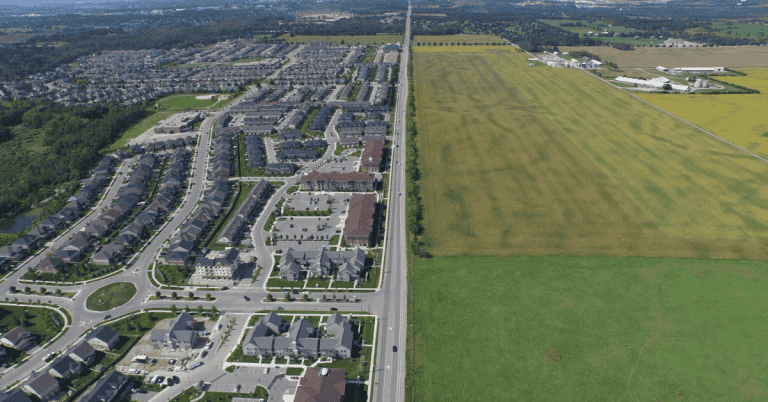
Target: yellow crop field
x=726 y=56
x=457 y=39
x=519 y=160
x=382 y=39
x=740 y=119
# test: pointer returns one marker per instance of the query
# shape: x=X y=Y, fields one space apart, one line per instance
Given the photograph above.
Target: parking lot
x=341 y=163
x=305 y=228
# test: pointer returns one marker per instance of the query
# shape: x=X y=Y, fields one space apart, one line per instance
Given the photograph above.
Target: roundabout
x=111 y=296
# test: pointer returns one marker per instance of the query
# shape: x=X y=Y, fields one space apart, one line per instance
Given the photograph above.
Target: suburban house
x=181 y=335
x=103 y=338
x=107 y=389
x=335 y=181
x=348 y=263
x=83 y=353
x=51 y=265
x=265 y=339
x=43 y=385
x=321 y=385
x=64 y=367
x=358 y=227
x=17 y=395
x=18 y=338
x=222 y=267
x=372 y=157
x=13 y=253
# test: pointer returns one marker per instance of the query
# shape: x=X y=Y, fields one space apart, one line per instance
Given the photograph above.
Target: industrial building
x=657 y=83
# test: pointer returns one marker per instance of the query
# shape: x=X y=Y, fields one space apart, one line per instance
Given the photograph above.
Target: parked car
x=169 y=381
x=334 y=309
x=176 y=379
x=159 y=379
x=205 y=353
x=237 y=388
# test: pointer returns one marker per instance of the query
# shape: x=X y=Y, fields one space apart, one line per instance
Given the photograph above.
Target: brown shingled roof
x=316 y=387
x=372 y=153
x=360 y=219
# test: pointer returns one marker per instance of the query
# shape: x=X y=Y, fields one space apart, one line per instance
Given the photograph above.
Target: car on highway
x=334 y=309
x=246 y=298
x=394 y=348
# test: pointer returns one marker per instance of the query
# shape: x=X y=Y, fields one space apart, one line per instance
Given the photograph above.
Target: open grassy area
x=381 y=39
x=37 y=320
x=457 y=39
x=260 y=392
x=739 y=119
x=589 y=329
x=139 y=129
x=111 y=296
x=183 y=102
x=727 y=56
x=541 y=161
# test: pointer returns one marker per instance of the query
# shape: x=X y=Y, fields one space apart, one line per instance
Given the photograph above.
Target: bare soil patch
x=554 y=355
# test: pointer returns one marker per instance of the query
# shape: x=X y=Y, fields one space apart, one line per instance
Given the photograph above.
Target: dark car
x=169 y=381
x=159 y=380
x=205 y=353
x=334 y=309
x=247 y=298
x=224 y=288
x=141 y=391
x=176 y=379
x=394 y=348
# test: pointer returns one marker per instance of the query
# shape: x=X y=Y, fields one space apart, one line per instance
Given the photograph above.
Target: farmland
x=514 y=164
x=739 y=119
x=589 y=329
x=457 y=39
x=381 y=39
x=599 y=27
x=730 y=56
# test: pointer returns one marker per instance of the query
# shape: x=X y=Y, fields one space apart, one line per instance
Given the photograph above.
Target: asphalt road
x=389 y=303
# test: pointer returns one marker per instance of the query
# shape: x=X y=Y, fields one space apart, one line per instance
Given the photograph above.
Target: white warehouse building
x=700 y=69
x=654 y=83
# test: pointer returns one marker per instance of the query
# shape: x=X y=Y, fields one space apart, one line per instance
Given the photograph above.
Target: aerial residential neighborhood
x=383 y=200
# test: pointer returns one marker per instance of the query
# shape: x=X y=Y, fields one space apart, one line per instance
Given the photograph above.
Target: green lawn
x=353 y=368
x=294 y=371
x=183 y=102
x=186 y=395
x=82 y=271
x=36 y=320
x=589 y=329
x=139 y=324
x=139 y=129
x=260 y=392
x=111 y=296
x=173 y=274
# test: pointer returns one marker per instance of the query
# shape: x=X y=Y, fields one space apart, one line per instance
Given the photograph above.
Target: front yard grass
x=173 y=274
x=37 y=320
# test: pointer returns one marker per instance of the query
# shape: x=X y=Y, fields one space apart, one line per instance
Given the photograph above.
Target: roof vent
x=323 y=371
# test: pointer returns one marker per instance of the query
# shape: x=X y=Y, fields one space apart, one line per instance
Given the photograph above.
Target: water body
x=21 y=223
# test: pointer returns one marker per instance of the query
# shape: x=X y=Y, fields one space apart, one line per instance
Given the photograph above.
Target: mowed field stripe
x=540 y=161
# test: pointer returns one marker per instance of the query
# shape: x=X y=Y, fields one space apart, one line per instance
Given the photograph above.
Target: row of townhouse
x=180 y=252
x=159 y=146
x=348 y=265
x=323 y=116
x=221 y=162
x=257 y=195
x=82 y=242
x=255 y=153
x=337 y=181
x=84 y=198
x=297 y=120
x=360 y=127
x=268 y=338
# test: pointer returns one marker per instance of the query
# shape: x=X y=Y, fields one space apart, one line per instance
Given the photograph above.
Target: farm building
x=700 y=69
x=653 y=83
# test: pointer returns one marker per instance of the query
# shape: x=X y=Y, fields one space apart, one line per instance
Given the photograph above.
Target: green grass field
x=458 y=39
x=139 y=129
x=739 y=119
x=381 y=39
x=183 y=102
x=36 y=320
x=727 y=56
x=541 y=161
x=589 y=329
x=111 y=296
